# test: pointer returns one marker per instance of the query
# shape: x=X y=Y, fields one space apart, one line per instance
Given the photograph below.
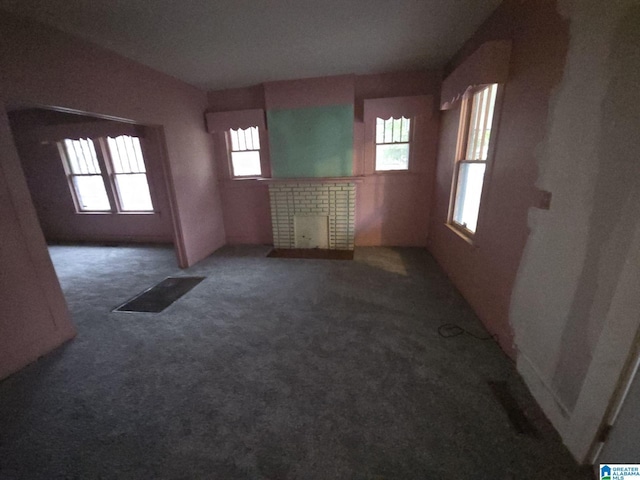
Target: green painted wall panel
x=311 y=142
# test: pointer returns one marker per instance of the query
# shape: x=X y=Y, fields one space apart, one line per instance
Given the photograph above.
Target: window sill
x=351 y=179
x=242 y=182
x=392 y=172
x=463 y=235
x=242 y=179
x=138 y=213
x=118 y=213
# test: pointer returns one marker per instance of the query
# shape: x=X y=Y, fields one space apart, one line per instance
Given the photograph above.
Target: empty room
x=319 y=240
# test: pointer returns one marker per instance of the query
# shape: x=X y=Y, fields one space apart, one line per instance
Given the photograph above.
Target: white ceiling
x=218 y=44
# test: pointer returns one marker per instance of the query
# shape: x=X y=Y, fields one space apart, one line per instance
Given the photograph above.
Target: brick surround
x=335 y=201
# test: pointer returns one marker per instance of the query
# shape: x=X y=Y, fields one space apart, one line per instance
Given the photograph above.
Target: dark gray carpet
x=269 y=369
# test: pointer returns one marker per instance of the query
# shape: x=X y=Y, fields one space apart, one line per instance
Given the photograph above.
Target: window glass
x=134 y=192
x=480 y=123
x=91 y=193
x=469 y=191
x=379 y=130
x=392 y=156
x=246 y=164
x=126 y=154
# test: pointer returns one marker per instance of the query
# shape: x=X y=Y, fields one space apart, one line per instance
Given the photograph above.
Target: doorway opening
x=101 y=194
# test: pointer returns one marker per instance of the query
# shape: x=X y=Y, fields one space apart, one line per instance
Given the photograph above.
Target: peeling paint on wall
x=576 y=250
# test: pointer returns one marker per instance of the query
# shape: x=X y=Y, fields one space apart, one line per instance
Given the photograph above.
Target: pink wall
x=43 y=66
x=247 y=213
x=392 y=208
x=485 y=272
x=51 y=195
x=309 y=92
x=488 y=64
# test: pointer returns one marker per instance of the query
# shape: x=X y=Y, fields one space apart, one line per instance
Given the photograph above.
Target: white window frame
x=108 y=174
x=72 y=175
x=409 y=143
x=136 y=166
x=464 y=131
x=231 y=151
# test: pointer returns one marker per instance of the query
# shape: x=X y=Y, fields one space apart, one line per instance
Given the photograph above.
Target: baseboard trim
x=557 y=413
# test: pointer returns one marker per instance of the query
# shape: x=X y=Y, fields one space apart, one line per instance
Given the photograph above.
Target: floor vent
x=516 y=416
x=160 y=296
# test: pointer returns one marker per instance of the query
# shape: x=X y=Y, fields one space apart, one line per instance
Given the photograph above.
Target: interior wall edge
x=39 y=304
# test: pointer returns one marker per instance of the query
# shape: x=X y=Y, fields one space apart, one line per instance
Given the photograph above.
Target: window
x=471 y=165
x=392 y=143
x=85 y=175
x=244 y=148
x=107 y=175
x=129 y=174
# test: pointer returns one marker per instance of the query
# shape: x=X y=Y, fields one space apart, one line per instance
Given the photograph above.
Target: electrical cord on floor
x=449 y=330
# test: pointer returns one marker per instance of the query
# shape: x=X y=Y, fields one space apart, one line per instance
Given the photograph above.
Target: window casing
x=393 y=144
x=107 y=174
x=476 y=128
x=244 y=152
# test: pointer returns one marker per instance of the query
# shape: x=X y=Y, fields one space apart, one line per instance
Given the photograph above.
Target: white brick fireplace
x=313 y=214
